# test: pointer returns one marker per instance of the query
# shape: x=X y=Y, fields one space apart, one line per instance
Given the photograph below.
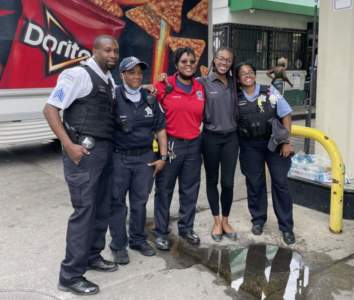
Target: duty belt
x=172 y=138
x=134 y=152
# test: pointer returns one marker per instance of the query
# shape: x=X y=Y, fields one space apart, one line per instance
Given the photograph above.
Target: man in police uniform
x=86 y=94
x=135 y=163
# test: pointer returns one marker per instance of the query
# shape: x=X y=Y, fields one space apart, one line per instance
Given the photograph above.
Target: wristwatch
x=286 y=142
x=163 y=157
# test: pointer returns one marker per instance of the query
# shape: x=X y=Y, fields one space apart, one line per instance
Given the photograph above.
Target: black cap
x=279 y=135
x=130 y=62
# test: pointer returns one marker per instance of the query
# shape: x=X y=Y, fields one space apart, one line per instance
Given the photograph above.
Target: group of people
x=107 y=134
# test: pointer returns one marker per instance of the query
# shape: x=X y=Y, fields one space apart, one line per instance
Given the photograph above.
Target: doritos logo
x=60 y=45
x=51 y=36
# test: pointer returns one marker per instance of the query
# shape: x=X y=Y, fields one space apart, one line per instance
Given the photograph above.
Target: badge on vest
x=263 y=98
x=86 y=141
x=148 y=112
x=102 y=89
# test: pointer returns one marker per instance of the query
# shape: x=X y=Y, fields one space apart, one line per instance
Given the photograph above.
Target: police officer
x=184 y=107
x=86 y=94
x=256 y=112
x=135 y=163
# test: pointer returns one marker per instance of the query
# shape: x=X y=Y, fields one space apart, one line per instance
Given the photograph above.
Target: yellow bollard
x=337 y=185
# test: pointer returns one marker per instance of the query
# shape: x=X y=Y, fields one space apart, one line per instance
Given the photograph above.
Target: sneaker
x=144 y=248
x=121 y=256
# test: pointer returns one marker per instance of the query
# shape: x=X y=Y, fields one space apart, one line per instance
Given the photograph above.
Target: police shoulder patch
x=70 y=77
x=59 y=94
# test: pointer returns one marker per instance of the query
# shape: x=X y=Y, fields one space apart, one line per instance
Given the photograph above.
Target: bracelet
x=287 y=142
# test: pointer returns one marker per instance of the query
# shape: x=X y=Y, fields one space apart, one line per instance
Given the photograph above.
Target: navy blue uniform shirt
x=142 y=118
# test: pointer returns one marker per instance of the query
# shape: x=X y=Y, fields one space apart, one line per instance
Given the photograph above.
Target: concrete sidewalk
x=35 y=207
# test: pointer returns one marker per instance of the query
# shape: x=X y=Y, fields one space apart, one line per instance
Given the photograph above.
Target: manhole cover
x=24 y=295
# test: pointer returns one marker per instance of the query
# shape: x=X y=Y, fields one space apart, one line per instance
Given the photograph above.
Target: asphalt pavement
x=35 y=206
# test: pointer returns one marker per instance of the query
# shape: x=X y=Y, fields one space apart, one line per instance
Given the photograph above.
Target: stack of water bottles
x=312 y=167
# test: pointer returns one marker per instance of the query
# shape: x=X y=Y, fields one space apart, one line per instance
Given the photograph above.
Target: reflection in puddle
x=268 y=272
x=257 y=272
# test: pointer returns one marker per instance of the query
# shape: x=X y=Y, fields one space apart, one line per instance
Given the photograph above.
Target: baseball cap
x=279 y=135
x=130 y=62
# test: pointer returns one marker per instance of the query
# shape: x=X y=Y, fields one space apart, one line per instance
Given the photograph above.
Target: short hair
x=281 y=61
x=176 y=55
x=241 y=64
x=98 y=39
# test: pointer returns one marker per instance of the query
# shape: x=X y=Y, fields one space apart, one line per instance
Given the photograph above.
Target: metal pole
x=309 y=112
x=337 y=185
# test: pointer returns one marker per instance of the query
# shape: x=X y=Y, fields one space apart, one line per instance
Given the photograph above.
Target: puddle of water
x=268 y=272
x=262 y=272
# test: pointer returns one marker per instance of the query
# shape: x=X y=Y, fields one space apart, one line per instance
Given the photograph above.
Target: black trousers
x=186 y=168
x=131 y=174
x=253 y=156
x=220 y=149
x=90 y=184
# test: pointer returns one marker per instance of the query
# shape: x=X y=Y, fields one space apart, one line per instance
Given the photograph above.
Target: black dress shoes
x=257 y=229
x=120 y=256
x=216 y=237
x=162 y=243
x=103 y=266
x=288 y=237
x=144 y=248
x=231 y=235
x=190 y=236
x=83 y=287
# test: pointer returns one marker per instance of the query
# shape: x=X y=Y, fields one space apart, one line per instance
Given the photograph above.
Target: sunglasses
x=185 y=61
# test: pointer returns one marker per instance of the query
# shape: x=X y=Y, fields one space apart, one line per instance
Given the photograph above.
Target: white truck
x=41 y=38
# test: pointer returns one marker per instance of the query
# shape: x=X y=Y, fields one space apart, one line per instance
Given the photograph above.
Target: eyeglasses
x=185 y=61
x=243 y=74
x=222 y=59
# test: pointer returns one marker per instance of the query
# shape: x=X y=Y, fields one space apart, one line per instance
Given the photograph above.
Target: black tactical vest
x=255 y=124
x=93 y=114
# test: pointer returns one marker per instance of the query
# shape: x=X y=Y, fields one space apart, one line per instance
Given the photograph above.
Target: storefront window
x=263 y=46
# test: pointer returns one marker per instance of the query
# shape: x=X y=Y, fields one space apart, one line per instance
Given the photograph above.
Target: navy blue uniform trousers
x=253 y=156
x=131 y=174
x=90 y=184
x=186 y=167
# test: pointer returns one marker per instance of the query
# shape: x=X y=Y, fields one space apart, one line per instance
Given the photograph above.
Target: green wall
x=299 y=7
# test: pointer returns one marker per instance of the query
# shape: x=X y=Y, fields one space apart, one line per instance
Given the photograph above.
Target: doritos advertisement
x=41 y=38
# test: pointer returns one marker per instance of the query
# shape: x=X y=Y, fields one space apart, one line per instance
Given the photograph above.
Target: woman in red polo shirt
x=184 y=107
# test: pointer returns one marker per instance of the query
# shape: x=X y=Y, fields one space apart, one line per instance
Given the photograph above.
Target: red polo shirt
x=183 y=112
